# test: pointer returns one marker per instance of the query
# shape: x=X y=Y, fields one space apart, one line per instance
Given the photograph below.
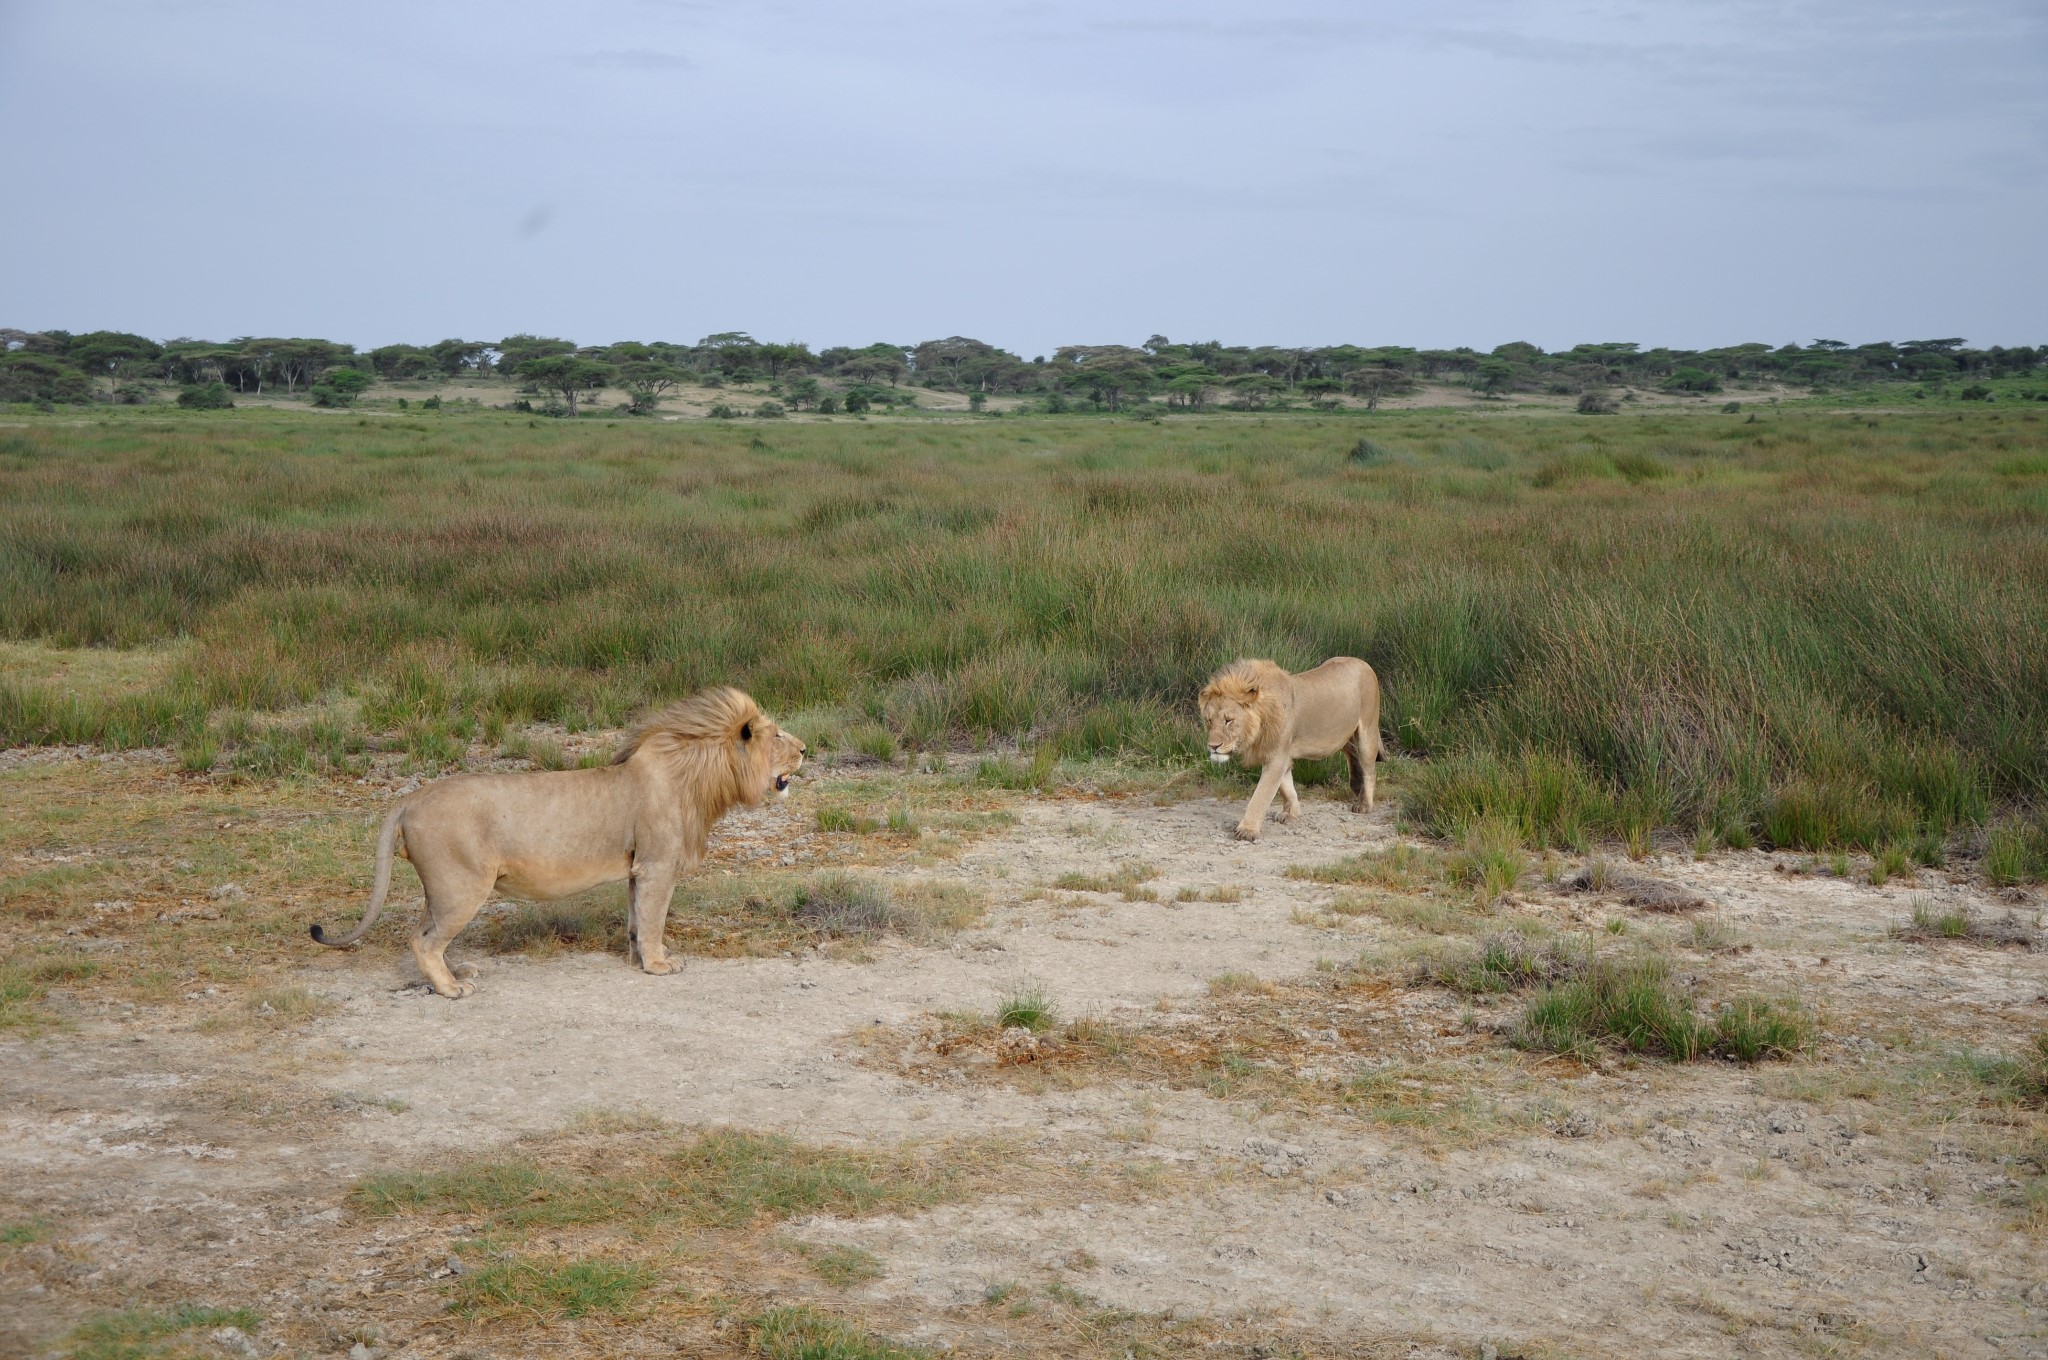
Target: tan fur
x=643 y=818
x=1266 y=717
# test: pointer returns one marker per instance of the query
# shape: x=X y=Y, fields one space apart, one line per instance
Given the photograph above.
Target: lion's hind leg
x=1290 y=800
x=453 y=900
x=1362 y=751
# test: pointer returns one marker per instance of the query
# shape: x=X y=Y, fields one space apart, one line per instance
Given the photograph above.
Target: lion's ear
x=746 y=731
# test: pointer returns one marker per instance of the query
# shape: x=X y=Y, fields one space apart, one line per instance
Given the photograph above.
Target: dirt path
x=1703 y=1210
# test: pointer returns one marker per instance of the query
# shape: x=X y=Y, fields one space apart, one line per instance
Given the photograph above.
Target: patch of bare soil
x=1331 y=1158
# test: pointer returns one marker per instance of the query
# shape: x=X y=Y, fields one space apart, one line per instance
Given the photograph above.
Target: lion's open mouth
x=782 y=783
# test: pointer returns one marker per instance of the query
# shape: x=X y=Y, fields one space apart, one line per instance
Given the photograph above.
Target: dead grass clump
x=1635 y=890
x=289 y=1005
x=1226 y=892
x=1240 y=984
x=1401 y=868
x=929 y=908
x=1124 y=880
x=1505 y=961
x=841 y=906
x=1933 y=920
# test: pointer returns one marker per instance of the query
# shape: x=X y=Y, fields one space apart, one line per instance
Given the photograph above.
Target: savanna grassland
x=1684 y=995
x=1803 y=628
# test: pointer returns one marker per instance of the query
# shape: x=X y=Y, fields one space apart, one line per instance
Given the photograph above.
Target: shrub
x=1597 y=404
x=770 y=410
x=720 y=411
x=340 y=387
x=1365 y=453
x=211 y=396
x=1692 y=380
x=840 y=906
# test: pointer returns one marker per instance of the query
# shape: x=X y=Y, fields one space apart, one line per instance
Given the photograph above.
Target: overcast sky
x=1690 y=172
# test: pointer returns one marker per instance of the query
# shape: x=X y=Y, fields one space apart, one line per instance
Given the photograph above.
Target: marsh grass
x=1817 y=635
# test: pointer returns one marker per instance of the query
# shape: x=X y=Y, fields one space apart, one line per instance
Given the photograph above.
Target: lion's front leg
x=1262 y=798
x=649 y=890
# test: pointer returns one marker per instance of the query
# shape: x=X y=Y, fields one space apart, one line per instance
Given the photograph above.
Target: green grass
x=22 y=1234
x=844 y=1267
x=143 y=1333
x=1811 y=631
x=544 y=1289
x=803 y=1334
x=1030 y=1007
x=1634 y=1004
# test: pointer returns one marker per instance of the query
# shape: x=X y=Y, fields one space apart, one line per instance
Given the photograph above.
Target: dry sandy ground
x=1648 y=1208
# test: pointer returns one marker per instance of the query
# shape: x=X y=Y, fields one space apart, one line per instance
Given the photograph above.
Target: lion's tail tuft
x=386 y=840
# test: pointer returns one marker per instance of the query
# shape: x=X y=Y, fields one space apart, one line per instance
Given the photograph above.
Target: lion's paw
x=660 y=967
x=1246 y=833
x=466 y=971
x=460 y=990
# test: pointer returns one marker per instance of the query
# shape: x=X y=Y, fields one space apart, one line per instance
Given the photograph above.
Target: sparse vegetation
x=551 y=1289
x=805 y=1334
x=144 y=1334
x=1956 y=919
x=721 y=1179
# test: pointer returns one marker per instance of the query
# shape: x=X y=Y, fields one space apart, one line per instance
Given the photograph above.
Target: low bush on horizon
x=1821 y=630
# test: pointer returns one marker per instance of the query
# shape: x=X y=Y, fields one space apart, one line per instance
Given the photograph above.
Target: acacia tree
x=567 y=374
x=111 y=353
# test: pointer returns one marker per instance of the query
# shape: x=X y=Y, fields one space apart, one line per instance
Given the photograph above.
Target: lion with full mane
x=1267 y=717
x=644 y=818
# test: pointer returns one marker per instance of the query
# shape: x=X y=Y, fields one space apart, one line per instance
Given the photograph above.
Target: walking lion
x=643 y=818
x=1267 y=717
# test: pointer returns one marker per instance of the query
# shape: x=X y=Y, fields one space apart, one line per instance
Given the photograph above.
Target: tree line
x=50 y=367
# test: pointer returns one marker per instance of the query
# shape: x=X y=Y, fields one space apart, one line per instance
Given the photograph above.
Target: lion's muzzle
x=782 y=786
x=1220 y=757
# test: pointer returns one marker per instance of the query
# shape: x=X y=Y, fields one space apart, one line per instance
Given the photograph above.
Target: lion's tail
x=386 y=839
